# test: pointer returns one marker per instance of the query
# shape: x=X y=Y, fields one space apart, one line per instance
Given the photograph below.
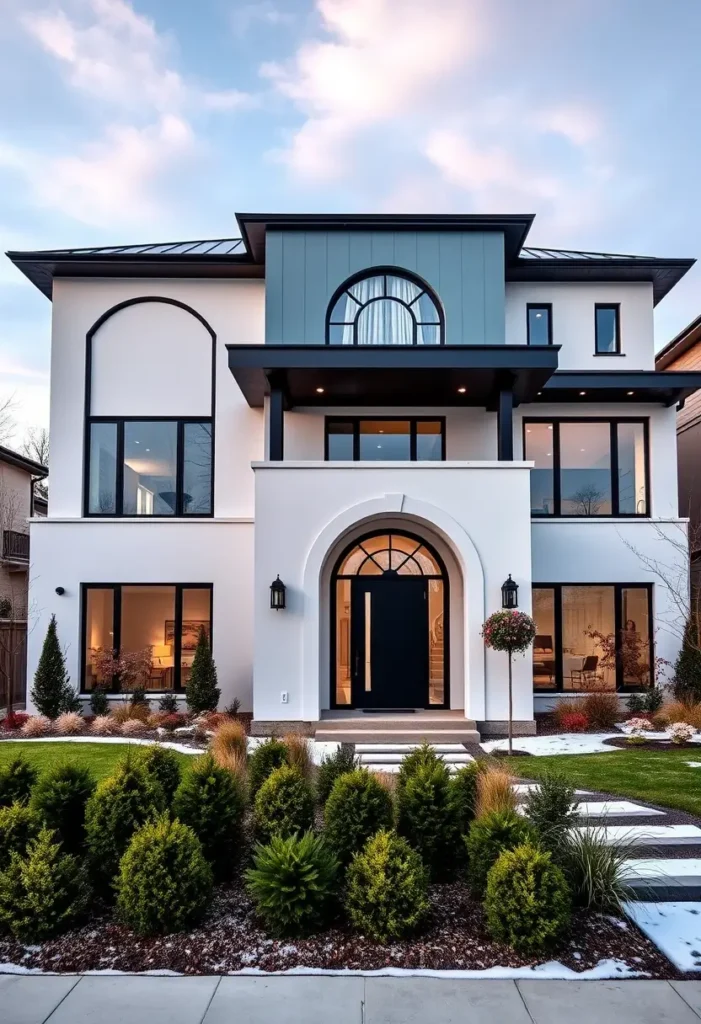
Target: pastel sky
x=127 y=121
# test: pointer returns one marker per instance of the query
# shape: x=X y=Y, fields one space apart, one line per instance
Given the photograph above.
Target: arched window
x=384 y=308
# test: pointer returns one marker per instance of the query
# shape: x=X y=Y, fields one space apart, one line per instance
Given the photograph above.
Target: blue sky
x=149 y=120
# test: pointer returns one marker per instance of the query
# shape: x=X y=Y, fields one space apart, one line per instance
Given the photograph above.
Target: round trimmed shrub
x=210 y=801
x=164 y=883
x=358 y=807
x=284 y=805
x=119 y=806
x=163 y=764
x=423 y=755
x=60 y=798
x=18 y=826
x=332 y=766
x=489 y=837
x=528 y=902
x=463 y=787
x=293 y=883
x=44 y=892
x=426 y=816
x=17 y=778
x=386 y=888
x=263 y=761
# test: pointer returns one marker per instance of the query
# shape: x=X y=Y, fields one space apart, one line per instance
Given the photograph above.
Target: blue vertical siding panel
x=293 y=290
x=405 y=250
x=359 y=250
x=273 y=287
x=473 y=288
x=338 y=260
x=451 y=276
x=316 y=288
x=427 y=260
x=494 y=289
x=383 y=249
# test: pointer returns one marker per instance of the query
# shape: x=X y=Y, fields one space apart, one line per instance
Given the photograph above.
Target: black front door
x=389 y=641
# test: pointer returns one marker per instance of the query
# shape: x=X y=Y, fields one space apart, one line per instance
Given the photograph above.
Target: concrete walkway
x=318 y=1000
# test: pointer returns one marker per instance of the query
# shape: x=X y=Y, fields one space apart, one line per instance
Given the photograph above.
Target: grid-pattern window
x=384 y=309
x=390 y=439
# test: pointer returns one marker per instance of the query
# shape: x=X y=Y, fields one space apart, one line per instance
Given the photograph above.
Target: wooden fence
x=13 y=664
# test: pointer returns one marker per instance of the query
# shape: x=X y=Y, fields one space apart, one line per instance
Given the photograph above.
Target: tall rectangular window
x=607 y=329
x=142 y=635
x=390 y=439
x=150 y=467
x=539 y=324
x=588 y=615
x=587 y=467
x=544 y=671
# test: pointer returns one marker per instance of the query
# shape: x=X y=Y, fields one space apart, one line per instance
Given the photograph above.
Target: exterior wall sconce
x=509 y=594
x=277 y=595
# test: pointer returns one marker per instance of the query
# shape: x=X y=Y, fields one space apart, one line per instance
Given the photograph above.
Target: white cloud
x=264 y=12
x=575 y=122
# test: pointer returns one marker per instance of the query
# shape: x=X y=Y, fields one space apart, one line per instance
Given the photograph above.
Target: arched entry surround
x=467 y=595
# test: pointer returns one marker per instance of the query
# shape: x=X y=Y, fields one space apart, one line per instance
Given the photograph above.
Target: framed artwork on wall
x=191 y=631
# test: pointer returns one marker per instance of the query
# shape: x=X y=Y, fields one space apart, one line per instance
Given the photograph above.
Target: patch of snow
x=322 y=749
x=553 y=970
x=179 y=747
x=675 y=928
x=693 y=764
x=559 y=743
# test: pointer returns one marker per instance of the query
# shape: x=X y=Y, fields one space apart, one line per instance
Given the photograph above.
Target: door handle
x=356 y=667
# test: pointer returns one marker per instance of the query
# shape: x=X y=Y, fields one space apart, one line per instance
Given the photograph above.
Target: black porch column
x=276 y=419
x=505 y=425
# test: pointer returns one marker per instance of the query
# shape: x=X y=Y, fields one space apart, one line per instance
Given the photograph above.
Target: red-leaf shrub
x=174 y=721
x=574 y=721
x=13 y=720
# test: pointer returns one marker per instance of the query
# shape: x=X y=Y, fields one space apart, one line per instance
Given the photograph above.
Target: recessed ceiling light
x=550 y=426
x=540 y=392
x=137 y=442
x=582 y=392
x=631 y=392
x=538 y=316
x=379 y=446
x=528 y=430
x=582 y=449
x=461 y=391
x=319 y=391
x=148 y=449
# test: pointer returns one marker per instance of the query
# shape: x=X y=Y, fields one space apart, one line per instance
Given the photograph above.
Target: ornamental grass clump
x=265 y=759
x=427 y=818
x=37 y=725
x=293 y=883
x=70 y=723
x=552 y=808
x=602 y=710
x=596 y=870
x=44 y=892
x=342 y=761
x=103 y=725
x=527 y=904
x=387 y=888
x=299 y=754
x=17 y=778
x=162 y=764
x=211 y=801
x=488 y=838
x=120 y=805
x=18 y=826
x=60 y=797
x=229 y=746
x=133 y=727
x=358 y=807
x=284 y=805
x=164 y=883
x=495 y=791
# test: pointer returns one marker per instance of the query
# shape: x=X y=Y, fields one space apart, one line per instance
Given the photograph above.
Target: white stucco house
x=389 y=414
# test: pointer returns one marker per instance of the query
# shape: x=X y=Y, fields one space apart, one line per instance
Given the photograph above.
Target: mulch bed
x=187 y=741
x=650 y=744
x=231 y=939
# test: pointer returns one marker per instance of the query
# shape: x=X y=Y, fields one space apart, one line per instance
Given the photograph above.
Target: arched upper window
x=385 y=307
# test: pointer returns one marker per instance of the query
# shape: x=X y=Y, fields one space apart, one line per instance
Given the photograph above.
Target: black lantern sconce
x=277 y=595
x=509 y=594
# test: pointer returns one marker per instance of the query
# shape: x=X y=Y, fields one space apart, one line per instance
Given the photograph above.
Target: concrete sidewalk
x=320 y=1000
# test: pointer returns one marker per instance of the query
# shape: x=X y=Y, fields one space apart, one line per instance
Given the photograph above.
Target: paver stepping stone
x=647 y=835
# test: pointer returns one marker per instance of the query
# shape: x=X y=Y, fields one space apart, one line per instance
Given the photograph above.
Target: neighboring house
x=389 y=416
x=684 y=353
x=18 y=503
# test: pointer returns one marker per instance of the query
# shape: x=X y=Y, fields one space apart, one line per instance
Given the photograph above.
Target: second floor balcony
x=15 y=547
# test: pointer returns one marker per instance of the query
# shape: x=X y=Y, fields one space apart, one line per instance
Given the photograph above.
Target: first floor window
x=150 y=468
x=142 y=636
x=592 y=637
x=385 y=440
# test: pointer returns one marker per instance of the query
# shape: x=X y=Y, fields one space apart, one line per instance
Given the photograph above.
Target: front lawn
x=658 y=776
x=100 y=758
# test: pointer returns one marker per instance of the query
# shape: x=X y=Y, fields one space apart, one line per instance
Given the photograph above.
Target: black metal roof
x=19 y=461
x=528 y=252
x=201 y=247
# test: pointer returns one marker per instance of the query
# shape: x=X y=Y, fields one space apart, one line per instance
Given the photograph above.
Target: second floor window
x=384 y=309
x=539 y=324
x=149 y=467
x=588 y=467
x=385 y=440
x=607 y=329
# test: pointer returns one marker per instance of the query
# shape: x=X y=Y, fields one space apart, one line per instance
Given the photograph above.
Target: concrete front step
x=611 y=809
x=664 y=879
x=397 y=758
x=392 y=769
x=417 y=736
x=444 y=721
x=405 y=748
x=628 y=836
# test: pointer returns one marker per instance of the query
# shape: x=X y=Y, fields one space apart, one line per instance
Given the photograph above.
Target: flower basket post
x=513 y=632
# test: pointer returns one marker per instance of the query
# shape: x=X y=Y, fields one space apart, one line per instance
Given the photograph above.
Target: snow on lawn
x=180 y=748
x=675 y=928
x=561 y=743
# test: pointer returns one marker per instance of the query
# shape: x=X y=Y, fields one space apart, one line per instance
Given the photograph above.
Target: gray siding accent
x=464 y=268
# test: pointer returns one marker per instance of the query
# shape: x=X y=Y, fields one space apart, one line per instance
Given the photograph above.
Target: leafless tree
x=587 y=501
x=36 y=446
x=8 y=423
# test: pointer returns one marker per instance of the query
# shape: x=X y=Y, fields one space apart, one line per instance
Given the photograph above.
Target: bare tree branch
x=36 y=446
x=8 y=423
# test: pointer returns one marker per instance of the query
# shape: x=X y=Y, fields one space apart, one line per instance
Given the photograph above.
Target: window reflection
x=632 y=491
x=544 y=673
x=539 y=442
x=103 y=468
x=585 y=469
x=150 y=468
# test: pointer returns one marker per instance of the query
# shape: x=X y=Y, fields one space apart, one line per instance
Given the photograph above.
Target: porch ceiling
x=390 y=375
x=665 y=386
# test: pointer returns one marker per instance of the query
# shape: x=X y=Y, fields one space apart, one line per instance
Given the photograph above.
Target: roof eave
x=679 y=344
x=19 y=461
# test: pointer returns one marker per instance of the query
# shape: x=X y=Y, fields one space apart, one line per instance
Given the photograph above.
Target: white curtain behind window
x=384 y=320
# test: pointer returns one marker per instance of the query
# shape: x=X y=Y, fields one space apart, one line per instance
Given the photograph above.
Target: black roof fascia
x=667 y=387
x=12 y=458
x=663 y=274
x=515 y=227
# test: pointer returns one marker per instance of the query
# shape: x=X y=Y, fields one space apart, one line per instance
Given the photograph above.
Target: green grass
x=100 y=758
x=658 y=776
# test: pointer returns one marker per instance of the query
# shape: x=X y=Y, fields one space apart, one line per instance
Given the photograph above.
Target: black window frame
x=413 y=421
x=618 y=589
x=386 y=272
x=116 y=588
x=616 y=306
x=613 y=425
x=119 y=422
x=547 y=307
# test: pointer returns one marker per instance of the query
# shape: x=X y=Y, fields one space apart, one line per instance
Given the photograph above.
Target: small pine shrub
x=17 y=778
x=71 y=704
x=528 y=902
x=211 y=802
x=37 y=725
x=162 y=764
x=552 y=808
x=99 y=704
x=119 y=806
x=284 y=805
x=60 y=798
x=425 y=754
x=495 y=791
x=386 y=888
x=464 y=796
x=18 y=826
x=168 y=703
x=358 y=807
x=265 y=759
x=138 y=697
x=426 y=816
x=687 y=668
x=488 y=838
x=602 y=710
x=70 y=723
x=202 y=692
x=44 y=892
x=293 y=883
x=50 y=692
x=233 y=708
x=648 y=702
x=164 y=883
x=340 y=762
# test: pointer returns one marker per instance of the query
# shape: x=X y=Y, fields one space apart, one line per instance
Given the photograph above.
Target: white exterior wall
x=573 y=322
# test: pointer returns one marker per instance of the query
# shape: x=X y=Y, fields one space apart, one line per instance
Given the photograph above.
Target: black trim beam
x=505 y=425
x=664 y=386
x=276 y=418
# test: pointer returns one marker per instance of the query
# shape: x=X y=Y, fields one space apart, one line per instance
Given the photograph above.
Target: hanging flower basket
x=509 y=631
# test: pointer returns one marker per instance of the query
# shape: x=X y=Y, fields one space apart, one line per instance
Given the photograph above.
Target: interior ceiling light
x=461 y=391
x=319 y=391
x=631 y=392
x=582 y=392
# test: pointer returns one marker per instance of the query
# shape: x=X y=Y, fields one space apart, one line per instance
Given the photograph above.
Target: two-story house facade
x=389 y=416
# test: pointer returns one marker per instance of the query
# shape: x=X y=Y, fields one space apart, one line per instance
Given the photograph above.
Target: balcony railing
x=15 y=546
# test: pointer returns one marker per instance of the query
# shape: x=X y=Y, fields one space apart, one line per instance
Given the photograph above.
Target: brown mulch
x=231 y=939
x=244 y=717
x=649 y=744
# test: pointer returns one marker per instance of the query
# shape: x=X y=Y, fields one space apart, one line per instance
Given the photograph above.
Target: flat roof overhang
x=391 y=375
x=663 y=274
x=667 y=387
